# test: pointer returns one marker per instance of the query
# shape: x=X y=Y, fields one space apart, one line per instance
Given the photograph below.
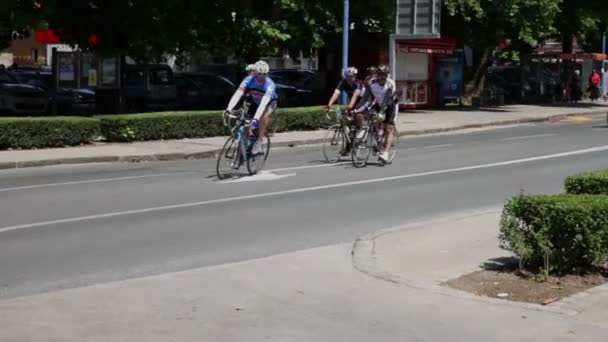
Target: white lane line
x=307 y=167
x=438 y=146
x=301 y=190
x=100 y=180
x=262 y=176
x=530 y=136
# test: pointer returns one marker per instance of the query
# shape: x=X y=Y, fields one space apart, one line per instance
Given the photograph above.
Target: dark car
x=203 y=90
x=19 y=98
x=302 y=87
x=61 y=100
x=149 y=86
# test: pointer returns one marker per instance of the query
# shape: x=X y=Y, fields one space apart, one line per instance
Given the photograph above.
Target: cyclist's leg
x=389 y=124
x=252 y=108
x=265 y=120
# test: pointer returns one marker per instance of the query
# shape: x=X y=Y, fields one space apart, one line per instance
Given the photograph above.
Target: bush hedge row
x=40 y=132
x=67 y=131
x=593 y=183
x=562 y=233
x=179 y=125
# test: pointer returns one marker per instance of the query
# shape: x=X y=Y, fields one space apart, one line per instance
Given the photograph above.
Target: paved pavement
x=311 y=295
x=105 y=225
x=420 y=122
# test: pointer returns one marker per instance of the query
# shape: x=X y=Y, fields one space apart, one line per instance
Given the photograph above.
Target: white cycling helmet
x=262 y=67
x=350 y=71
x=250 y=67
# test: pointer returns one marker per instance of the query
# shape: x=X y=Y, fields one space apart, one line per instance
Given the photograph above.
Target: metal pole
x=604 y=42
x=345 y=32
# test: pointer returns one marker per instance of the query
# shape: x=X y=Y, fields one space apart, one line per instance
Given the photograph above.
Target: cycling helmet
x=372 y=70
x=250 y=67
x=383 y=70
x=350 y=71
x=262 y=67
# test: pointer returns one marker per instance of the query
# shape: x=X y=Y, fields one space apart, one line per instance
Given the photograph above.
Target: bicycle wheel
x=256 y=163
x=229 y=159
x=334 y=144
x=362 y=150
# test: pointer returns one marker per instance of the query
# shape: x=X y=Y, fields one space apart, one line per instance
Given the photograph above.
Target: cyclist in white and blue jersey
x=262 y=91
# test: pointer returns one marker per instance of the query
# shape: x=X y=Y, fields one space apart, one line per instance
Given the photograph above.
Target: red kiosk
x=417 y=55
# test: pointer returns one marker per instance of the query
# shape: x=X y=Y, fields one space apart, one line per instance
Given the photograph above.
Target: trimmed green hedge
x=41 y=132
x=593 y=183
x=179 y=125
x=571 y=230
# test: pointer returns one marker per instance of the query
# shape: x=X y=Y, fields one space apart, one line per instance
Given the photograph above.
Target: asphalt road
x=70 y=226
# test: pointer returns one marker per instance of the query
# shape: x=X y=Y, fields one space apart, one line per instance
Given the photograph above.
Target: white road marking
x=530 y=136
x=307 y=167
x=302 y=190
x=101 y=180
x=262 y=176
x=438 y=146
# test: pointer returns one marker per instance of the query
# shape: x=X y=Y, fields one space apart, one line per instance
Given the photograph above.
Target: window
x=135 y=78
x=160 y=77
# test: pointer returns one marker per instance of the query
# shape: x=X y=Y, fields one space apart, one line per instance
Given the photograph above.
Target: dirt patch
x=507 y=282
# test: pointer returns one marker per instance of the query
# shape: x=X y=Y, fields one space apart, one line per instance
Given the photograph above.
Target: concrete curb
x=364 y=260
x=213 y=153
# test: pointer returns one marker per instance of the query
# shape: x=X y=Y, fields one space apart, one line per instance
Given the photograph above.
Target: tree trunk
x=567 y=43
x=475 y=86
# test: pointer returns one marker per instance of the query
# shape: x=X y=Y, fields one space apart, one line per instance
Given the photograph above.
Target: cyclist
x=380 y=95
x=353 y=88
x=349 y=84
x=264 y=97
x=372 y=72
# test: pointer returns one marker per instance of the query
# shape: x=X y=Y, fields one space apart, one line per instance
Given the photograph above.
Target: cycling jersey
x=349 y=88
x=251 y=86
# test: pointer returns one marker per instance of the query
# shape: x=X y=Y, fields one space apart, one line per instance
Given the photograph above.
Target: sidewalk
x=419 y=122
x=311 y=295
x=424 y=255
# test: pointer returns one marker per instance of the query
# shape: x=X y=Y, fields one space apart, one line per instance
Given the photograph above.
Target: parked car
x=302 y=87
x=202 y=90
x=149 y=87
x=19 y=98
x=61 y=100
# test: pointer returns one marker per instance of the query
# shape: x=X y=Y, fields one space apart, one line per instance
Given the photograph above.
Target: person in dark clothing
x=575 y=87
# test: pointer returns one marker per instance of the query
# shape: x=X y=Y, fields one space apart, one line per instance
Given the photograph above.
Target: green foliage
x=180 y=125
x=567 y=232
x=161 y=126
x=38 y=132
x=592 y=183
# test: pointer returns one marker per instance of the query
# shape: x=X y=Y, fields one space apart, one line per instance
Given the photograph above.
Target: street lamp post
x=345 y=32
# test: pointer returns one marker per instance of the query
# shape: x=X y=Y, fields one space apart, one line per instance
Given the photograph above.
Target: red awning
x=445 y=45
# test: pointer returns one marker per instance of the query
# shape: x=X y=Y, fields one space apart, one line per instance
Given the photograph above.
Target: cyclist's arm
x=238 y=94
x=336 y=94
x=333 y=98
x=366 y=101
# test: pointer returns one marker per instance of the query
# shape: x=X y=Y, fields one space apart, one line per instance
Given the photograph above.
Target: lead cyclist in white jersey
x=263 y=93
x=380 y=95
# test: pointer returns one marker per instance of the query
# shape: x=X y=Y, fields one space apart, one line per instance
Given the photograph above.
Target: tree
x=483 y=24
x=17 y=19
x=583 y=19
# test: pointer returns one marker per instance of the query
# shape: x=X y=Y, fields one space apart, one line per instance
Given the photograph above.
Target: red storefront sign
x=49 y=36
